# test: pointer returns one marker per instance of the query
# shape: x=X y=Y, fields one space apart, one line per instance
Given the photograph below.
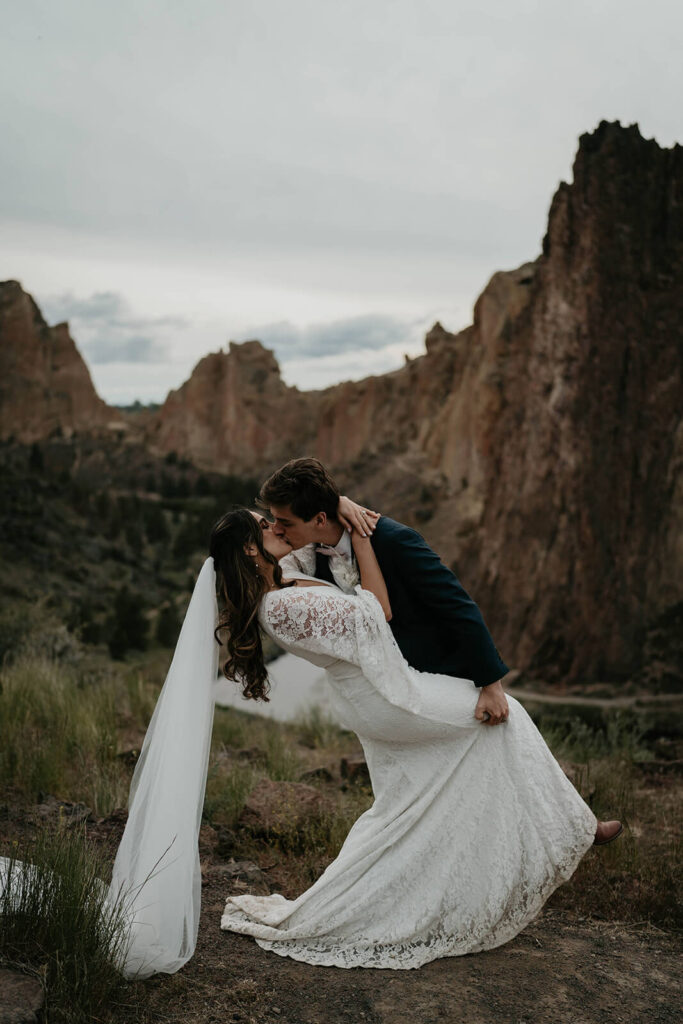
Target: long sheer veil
x=156 y=871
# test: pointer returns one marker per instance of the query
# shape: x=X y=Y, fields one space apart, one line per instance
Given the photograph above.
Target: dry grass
x=54 y=917
x=636 y=878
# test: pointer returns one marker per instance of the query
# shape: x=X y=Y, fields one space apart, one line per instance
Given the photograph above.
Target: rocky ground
x=561 y=968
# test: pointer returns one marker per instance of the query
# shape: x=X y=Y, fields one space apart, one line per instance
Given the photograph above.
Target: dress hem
x=348 y=959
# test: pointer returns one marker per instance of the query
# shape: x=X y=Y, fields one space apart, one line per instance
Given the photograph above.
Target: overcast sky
x=328 y=177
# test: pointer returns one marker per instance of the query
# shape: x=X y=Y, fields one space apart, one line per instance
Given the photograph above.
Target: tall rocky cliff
x=45 y=385
x=539 y=450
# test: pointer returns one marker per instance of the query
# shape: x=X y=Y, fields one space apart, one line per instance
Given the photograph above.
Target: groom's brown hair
x=304 y=485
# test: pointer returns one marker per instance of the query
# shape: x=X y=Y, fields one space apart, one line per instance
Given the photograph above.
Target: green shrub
x=156 y=526
x=26 y=627
x=317 y=730
x=231 y=727
x=142 y=697
x=55 y=918
x=128 y=625
x=636 y=877
x=13 y=628
x=321 y=835
x=188 y=539
x=168 y=626
x=620 y=735
x=36 y=459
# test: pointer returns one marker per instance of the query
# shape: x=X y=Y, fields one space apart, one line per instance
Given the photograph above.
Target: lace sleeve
x=315 y=619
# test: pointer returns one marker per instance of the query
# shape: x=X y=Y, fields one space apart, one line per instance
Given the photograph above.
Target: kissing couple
x=473 y=825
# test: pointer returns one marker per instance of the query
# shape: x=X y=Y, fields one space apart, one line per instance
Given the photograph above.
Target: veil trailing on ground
x=156 y=871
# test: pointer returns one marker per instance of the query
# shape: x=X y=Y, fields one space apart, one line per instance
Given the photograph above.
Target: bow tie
x=325 y=549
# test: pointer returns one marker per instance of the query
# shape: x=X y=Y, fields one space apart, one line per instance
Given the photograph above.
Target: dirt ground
x=560 y=969
x=564 y=968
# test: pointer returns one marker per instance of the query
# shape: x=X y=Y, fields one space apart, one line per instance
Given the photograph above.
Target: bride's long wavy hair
x=241 y=588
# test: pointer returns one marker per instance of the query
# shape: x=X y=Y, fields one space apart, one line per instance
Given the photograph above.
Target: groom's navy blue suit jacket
x=436 y=623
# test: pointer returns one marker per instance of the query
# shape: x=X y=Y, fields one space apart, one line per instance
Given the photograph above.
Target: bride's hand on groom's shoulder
x=356 y=518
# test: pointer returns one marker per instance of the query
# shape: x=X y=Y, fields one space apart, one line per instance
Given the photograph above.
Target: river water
x=296 y=687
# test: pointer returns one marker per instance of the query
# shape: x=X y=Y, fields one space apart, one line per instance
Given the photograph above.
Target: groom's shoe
x=607 y=831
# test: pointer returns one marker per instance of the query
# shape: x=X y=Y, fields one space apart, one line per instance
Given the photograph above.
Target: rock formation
x=233 y=414
x=539 y=450
x=44 y=384
x=572 y=402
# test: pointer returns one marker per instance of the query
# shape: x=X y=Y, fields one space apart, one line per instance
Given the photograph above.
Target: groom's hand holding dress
x=492 y=703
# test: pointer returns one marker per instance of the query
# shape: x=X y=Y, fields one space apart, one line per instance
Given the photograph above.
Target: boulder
x=64 y=811
x=281 y=807
x=321 y=774
x=354 y=769
x=21 y=997
x=244 y=876
x=45 y=385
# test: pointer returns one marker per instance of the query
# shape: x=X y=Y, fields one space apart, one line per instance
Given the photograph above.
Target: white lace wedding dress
x=472 y=826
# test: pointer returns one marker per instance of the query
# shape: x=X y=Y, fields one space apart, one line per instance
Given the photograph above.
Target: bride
x=471 y=829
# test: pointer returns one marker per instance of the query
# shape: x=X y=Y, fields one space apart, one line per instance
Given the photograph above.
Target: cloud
x=108 y=331
x=109 y=307
x=100 y=306
x=113 y=348
x=368 y=332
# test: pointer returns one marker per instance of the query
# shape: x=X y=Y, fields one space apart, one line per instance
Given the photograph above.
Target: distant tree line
x=117 y=541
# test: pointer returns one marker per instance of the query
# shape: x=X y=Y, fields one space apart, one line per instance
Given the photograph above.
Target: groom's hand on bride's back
x=492 y=702
x=356 y=517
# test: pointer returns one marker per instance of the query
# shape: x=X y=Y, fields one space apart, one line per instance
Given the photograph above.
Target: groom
x=437 y=626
